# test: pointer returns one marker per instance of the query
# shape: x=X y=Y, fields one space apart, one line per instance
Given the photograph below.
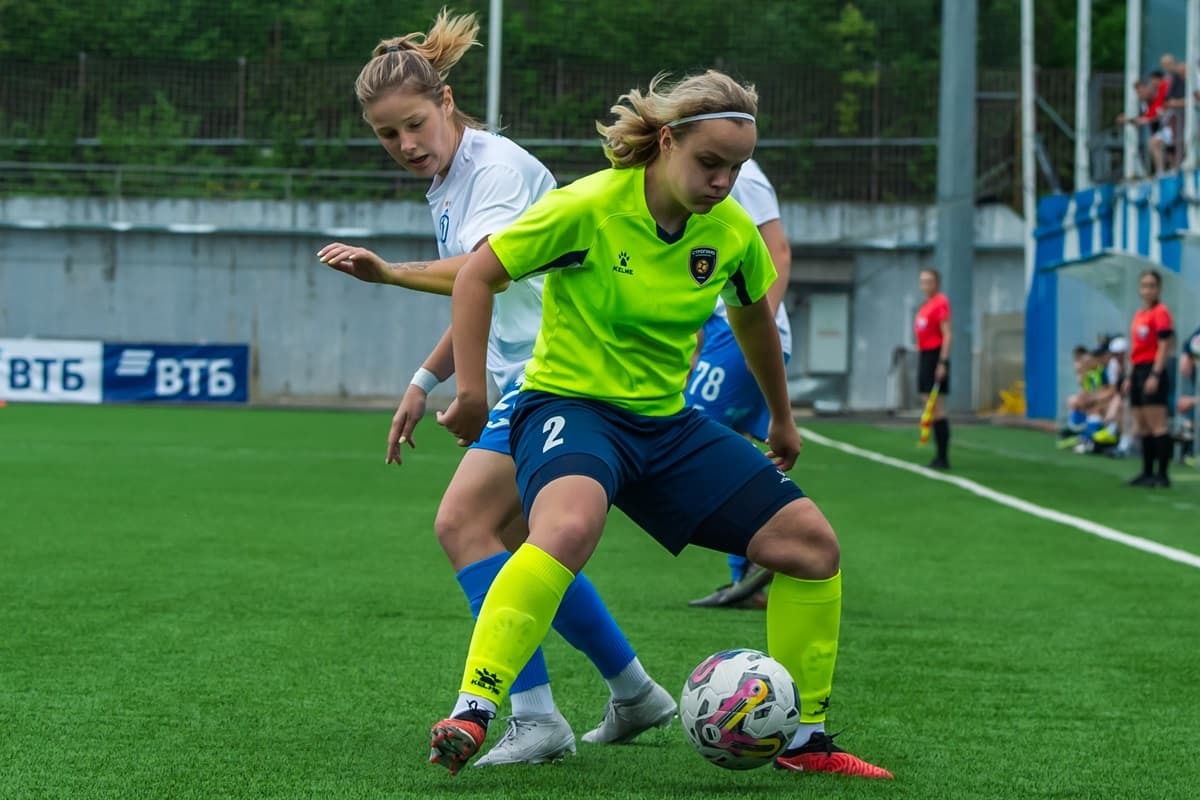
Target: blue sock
x=1094 y=424
x=737 y=567
x=585 y=622
x=1076 y=420
x=475 y=580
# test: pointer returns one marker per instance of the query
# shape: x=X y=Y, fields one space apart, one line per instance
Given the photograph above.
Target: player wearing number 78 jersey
x=721 y=384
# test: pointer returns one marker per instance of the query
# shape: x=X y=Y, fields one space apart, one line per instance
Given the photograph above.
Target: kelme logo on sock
x=487 y=680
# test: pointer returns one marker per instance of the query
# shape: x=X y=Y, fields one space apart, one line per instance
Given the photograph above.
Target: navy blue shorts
x=723 y=387
x=684 y=479
x=495 y=434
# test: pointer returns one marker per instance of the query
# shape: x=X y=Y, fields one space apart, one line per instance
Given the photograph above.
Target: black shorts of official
x=683 y=478
x=1137 y=387
x=928 y=368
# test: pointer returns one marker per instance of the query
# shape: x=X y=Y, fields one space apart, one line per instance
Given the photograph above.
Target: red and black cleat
x=820 y=754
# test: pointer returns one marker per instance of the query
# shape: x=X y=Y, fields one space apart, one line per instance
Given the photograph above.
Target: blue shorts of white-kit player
x=495 y=433
x=723 y=387
x=683 y=478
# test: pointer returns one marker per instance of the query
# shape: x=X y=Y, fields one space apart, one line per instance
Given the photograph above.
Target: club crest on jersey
x=702 y=264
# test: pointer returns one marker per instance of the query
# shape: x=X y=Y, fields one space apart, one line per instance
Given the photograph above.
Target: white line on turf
x=1087 y=526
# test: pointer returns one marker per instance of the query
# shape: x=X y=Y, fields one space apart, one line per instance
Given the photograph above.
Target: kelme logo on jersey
x=623 y=267
x=703 y=264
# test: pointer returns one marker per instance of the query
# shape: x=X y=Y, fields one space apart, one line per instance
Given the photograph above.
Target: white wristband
x=425 y=379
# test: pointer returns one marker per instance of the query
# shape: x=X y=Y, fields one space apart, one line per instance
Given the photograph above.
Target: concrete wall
x=395 y=218
x=134 y=270
x=885 y=300
x=316 y=334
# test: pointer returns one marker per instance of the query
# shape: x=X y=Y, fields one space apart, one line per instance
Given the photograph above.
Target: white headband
x=714 y=115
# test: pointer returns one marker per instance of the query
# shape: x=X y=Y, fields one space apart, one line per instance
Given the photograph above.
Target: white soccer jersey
x=755 y=194
x=491 y=182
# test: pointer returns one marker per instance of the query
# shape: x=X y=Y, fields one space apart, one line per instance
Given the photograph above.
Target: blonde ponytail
x=632 y=140
x=419 y=62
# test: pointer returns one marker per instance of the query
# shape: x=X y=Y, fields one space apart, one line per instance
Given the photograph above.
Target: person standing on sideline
x=1148 y=385
x=932 y=327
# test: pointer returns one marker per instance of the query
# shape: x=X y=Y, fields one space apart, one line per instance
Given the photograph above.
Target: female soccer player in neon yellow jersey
x=635 y=259
x=481 y=182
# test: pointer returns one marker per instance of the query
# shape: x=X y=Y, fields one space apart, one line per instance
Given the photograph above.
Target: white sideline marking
x=1087 y=526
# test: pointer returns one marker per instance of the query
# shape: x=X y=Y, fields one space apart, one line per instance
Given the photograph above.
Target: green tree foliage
x=643 y=33
x=280 y=74
x=854 y=40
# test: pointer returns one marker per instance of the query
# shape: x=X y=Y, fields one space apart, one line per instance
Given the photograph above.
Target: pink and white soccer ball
x=739 y=708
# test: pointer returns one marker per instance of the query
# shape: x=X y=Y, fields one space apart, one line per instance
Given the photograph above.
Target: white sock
x=1112 y=428
x=629 y=682
x=804 y=733
x=535 y=702
x=473 y=702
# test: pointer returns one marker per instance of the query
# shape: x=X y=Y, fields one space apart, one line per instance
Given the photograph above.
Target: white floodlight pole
x=1028 y=138
x=1083 y=74
x=495 y=20
x=1193 y=55
x=1133 y=59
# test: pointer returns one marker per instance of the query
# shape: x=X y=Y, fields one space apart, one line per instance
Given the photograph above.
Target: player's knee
x=463 y=535
x=799 y=542
x=569 y=540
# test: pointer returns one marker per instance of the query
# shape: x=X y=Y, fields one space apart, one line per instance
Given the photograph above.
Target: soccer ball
x=739 y=708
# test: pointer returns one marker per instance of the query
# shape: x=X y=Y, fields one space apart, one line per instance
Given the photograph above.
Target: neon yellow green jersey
x=623 y=299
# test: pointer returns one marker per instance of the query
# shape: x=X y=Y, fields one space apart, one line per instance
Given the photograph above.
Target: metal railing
x=292 y=125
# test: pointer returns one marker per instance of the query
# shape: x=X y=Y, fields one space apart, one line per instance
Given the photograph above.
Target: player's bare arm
x=758 y=337
x=470 y=321
x=437 y=368
x=432 y=277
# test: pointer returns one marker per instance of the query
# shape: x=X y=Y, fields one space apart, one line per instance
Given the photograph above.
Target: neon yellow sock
x=515 y=617
x=802 y=634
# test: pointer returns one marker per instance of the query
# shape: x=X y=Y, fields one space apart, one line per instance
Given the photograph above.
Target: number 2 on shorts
x=553 y=428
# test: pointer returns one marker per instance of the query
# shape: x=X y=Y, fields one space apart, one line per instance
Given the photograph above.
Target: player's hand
x=939 y=374
x=783 y=440
x=1151 y=384
x=408 y=414
x=358 y=262
x=465 y=417
x=1125 y=387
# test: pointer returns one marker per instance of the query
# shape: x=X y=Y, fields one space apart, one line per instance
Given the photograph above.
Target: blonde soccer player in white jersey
x=722 y=386
x=481 y=182
x=635 y=258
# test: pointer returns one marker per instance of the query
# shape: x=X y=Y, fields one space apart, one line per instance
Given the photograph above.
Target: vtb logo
x=192 y=377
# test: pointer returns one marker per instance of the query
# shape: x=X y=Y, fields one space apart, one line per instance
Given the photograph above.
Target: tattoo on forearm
x=411 y=266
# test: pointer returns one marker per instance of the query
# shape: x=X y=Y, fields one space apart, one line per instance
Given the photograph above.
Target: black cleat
x=733 y=595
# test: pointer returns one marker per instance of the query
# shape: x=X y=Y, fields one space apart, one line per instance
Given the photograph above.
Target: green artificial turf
x=247 y=603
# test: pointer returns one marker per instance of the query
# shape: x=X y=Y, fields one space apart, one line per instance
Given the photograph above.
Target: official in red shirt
x=932 y=328
x=1149 y=383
